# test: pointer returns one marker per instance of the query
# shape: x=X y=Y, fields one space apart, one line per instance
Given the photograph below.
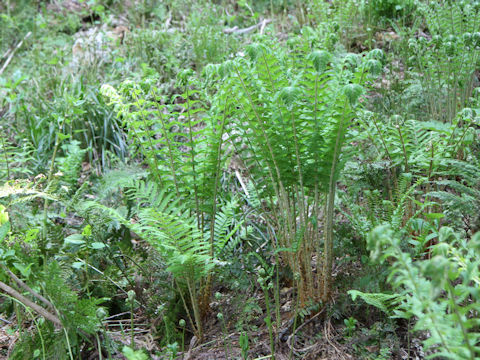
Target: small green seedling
x=350 y=325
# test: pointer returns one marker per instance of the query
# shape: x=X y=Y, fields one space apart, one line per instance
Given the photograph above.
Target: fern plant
x=66 y=316
x=71 y=164
x=459 y=194
x=182 y=145
x=427 y=169
x=77 y=319
x=441 y=292
x=292 y=110
x=445 y=63
x=384 y=302
x=15 y=159
x=168 y=225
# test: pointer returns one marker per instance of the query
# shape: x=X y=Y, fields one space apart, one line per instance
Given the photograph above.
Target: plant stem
x=132 y=340
x=290 y=355
x=460 y=320
x=68 y=344
x=328 y=244
x=43 y=244
x=268 y=320
x=5 y=155
x=27 y=302
x=224 y=328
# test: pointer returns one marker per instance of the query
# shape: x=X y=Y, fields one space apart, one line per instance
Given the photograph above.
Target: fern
x=15 y=159
x=293 y=110
x=181 y=143
x=384 y=302
x=426 y=176
x=459 y=193
x=25 y=191
x=78 y=318
x=71 y=164
x=434 y=290
x=224 y=221
x=447 y=62
x=170 y=227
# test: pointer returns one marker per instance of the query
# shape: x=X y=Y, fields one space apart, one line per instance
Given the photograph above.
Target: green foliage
x=413 y=170
x=208 y=42
x=165 y=223
x=384 y=302
x=77 y=314
x=388 y=9
x=459 y=194
x=71 y=164
x=445 y=62
x=350 y=324
x=290 y=138
x=168 y=226
x=188 y=142
x=435 y=290
x=15 y=159
x=209 y=163
x=131 y=354
x=152 y=47
x=16 y=19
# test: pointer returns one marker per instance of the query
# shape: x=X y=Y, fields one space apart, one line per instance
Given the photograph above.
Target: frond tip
x=353 y=92
x=320 y=59
x=289 y=95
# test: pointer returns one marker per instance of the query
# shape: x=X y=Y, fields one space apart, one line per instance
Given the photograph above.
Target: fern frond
x=24 y=191
x=167 y=226
x=384 y=302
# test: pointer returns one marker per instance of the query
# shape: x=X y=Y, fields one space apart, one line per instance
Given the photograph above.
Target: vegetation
x=240 y=179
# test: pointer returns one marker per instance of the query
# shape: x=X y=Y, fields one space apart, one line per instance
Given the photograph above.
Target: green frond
x=24 y=191
x=289 y=95
x=167 y=226
x=384 y=302
x=320 y=60
x=353 y=92
x=255 y=50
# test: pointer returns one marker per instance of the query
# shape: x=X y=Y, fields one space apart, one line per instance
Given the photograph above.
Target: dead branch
x=27 y=302
x=236 y=30
x=27 y=288
x=10 y=57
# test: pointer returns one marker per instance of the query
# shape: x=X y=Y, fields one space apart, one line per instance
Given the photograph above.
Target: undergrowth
x=314 y=164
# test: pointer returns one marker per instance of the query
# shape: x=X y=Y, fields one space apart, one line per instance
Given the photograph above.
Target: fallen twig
x=27 y=288
x=292 y=336
x=27 y=302
x=236 y=30
x=5 y=321
x=10 y=57
x=6 y=53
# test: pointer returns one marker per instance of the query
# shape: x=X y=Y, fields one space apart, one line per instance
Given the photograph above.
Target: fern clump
x=428 y=174
x=162 y=220
x=293 y=110
x=445 y=63
x=182 y=145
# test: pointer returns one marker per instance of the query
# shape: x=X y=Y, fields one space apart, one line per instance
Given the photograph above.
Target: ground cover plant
x=271 y=179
